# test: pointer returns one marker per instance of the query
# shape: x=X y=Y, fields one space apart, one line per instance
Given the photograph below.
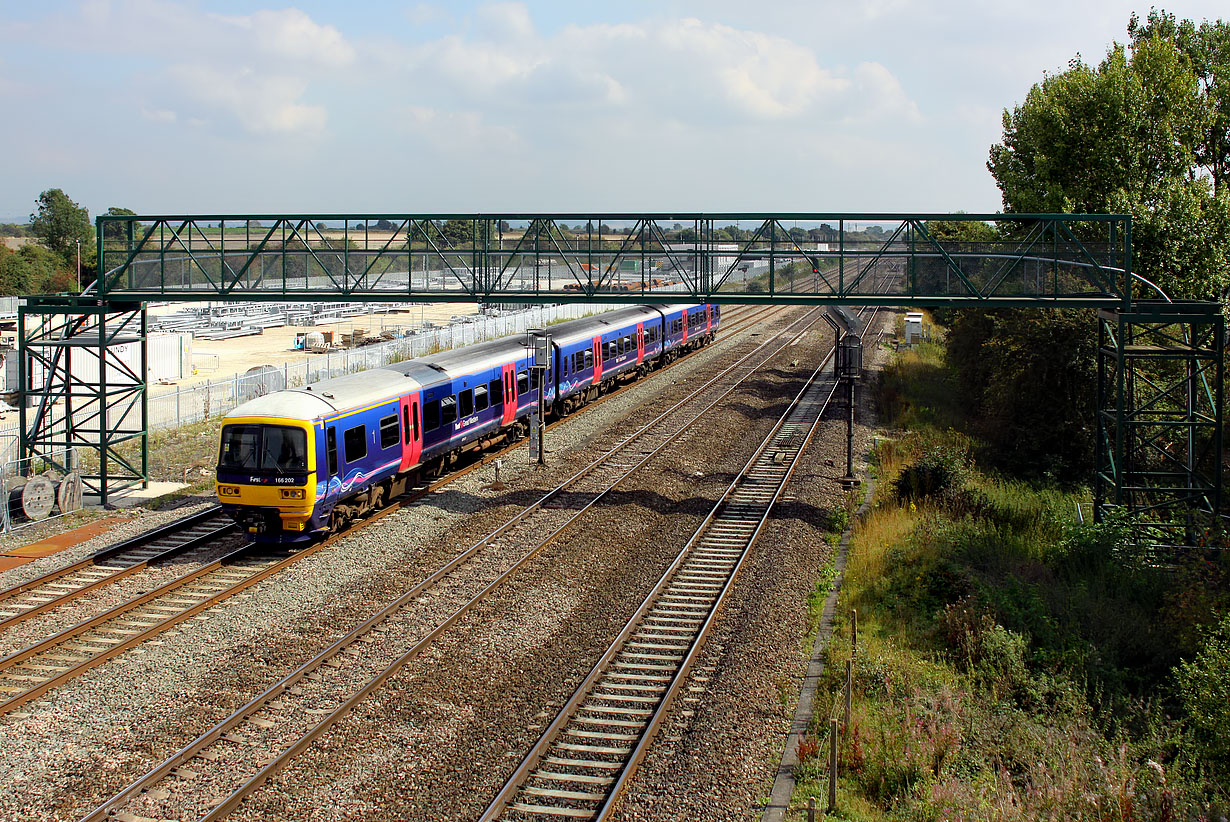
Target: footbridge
x=1160 y=364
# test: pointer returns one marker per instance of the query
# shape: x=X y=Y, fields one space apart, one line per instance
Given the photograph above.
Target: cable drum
x=33 y=500
x=69 y=492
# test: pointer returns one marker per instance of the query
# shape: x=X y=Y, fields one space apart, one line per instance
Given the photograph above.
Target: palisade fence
x=215 y=398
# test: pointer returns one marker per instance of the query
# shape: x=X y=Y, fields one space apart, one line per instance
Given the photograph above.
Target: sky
x=368 y=107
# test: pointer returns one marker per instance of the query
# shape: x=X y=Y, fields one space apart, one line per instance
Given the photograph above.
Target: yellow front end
x=264 y=497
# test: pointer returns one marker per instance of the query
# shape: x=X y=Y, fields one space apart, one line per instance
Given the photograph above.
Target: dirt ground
x=221 y=359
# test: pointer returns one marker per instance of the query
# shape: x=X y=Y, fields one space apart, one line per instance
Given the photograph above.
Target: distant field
x=16 y=242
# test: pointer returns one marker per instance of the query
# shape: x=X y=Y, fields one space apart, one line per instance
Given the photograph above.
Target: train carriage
x=299 y=463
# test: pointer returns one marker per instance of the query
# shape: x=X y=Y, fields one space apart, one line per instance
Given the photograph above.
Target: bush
x=1204 y=688
x=938 y=471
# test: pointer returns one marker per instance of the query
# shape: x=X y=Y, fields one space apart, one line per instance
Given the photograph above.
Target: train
x=300 y=464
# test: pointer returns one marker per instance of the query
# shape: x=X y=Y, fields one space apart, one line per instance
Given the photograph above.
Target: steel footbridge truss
x=933 y=260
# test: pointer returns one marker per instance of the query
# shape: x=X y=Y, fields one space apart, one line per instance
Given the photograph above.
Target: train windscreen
x=274 y=448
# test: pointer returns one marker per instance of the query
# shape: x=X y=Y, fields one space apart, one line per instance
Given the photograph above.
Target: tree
x=59 y=223
x=458 y=232
x=1207 y=49
x=1128 y=137
x=33 y=270
x=117 y=231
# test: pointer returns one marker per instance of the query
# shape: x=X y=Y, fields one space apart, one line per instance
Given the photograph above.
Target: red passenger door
x=597 y=359
x=510 y=393
x=411 y=431
x=708 y=318
x=640 y=342
x=683 y=318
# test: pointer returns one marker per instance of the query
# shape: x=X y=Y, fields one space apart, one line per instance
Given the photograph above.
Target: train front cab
x=266 y=479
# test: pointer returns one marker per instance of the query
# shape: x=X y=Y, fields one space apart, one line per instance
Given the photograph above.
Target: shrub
x=1204 y=688
x=938 y=471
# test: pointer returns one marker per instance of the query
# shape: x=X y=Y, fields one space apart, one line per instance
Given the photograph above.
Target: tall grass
x=1014 y=665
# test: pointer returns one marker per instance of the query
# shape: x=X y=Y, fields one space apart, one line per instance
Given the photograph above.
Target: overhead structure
x=1157 y=443
x=82 y=392
x=855 y=259
x=1159 y=448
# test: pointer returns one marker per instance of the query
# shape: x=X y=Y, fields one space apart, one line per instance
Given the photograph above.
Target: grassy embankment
x=1012 y=664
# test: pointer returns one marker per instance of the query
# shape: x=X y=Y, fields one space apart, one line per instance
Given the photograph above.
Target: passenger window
x=611 y=352
x=390 y=432
x=414 y=420
x=448 y=410
x=534 y=379
x=523 y=382
x=405 y=423
x=589 y=358
x=480 y=398
x=497 y=396
x=465 y=403
x=431 y=415
x=331 y=450
x=355 y=442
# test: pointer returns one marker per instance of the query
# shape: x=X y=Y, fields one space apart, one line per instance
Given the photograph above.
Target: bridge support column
x=82 y=385
x=1159 y=437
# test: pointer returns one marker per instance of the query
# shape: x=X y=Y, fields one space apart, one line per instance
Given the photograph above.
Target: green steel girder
x=799 y=258
x=1159 y=445
x=95 y=405
x=1160 y=365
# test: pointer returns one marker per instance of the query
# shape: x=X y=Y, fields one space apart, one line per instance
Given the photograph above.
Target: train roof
x=329 y=396
x=586 y=327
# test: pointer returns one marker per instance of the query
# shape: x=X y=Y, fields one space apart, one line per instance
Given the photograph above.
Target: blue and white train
x=300 y=463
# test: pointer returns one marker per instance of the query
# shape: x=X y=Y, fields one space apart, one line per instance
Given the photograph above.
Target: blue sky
x=179 y=106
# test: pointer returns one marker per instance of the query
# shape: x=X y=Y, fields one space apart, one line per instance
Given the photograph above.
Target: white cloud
x=261 y=104
x=456 y=132
x=290 y=34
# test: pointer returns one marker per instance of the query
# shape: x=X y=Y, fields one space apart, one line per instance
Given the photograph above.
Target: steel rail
x=39 y=667
x=309 y=669
x=55 y=588
x=630 y=718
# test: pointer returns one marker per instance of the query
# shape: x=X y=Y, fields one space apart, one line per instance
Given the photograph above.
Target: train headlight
x=228 y=490
x=293 y=493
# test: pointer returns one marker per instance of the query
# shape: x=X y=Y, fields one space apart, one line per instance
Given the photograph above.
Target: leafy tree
x=33 y=270
x=458 y=232
x=961 y=231
x=59 y=223
x=117 y=231
x=384 y=225
x=1128 y=136
x=1207 y=48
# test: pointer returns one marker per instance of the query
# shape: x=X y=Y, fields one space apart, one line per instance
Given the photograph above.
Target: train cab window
x=480 y=398
x=448 y=410
x=497 y=396
x=465 y=403
x=390 y=431
x=277 y=449
x=331 y=451
x=355 y=442
x=523 y=382
x=431 y=415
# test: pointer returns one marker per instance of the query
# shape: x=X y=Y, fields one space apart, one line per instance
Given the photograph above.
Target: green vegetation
x=1147 y=133
x=1012 y=663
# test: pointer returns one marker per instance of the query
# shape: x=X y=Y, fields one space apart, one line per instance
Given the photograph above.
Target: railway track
x=213 y=774
x=37 y=668
x=66 y=584
x=587 y=754
x=197 y=531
